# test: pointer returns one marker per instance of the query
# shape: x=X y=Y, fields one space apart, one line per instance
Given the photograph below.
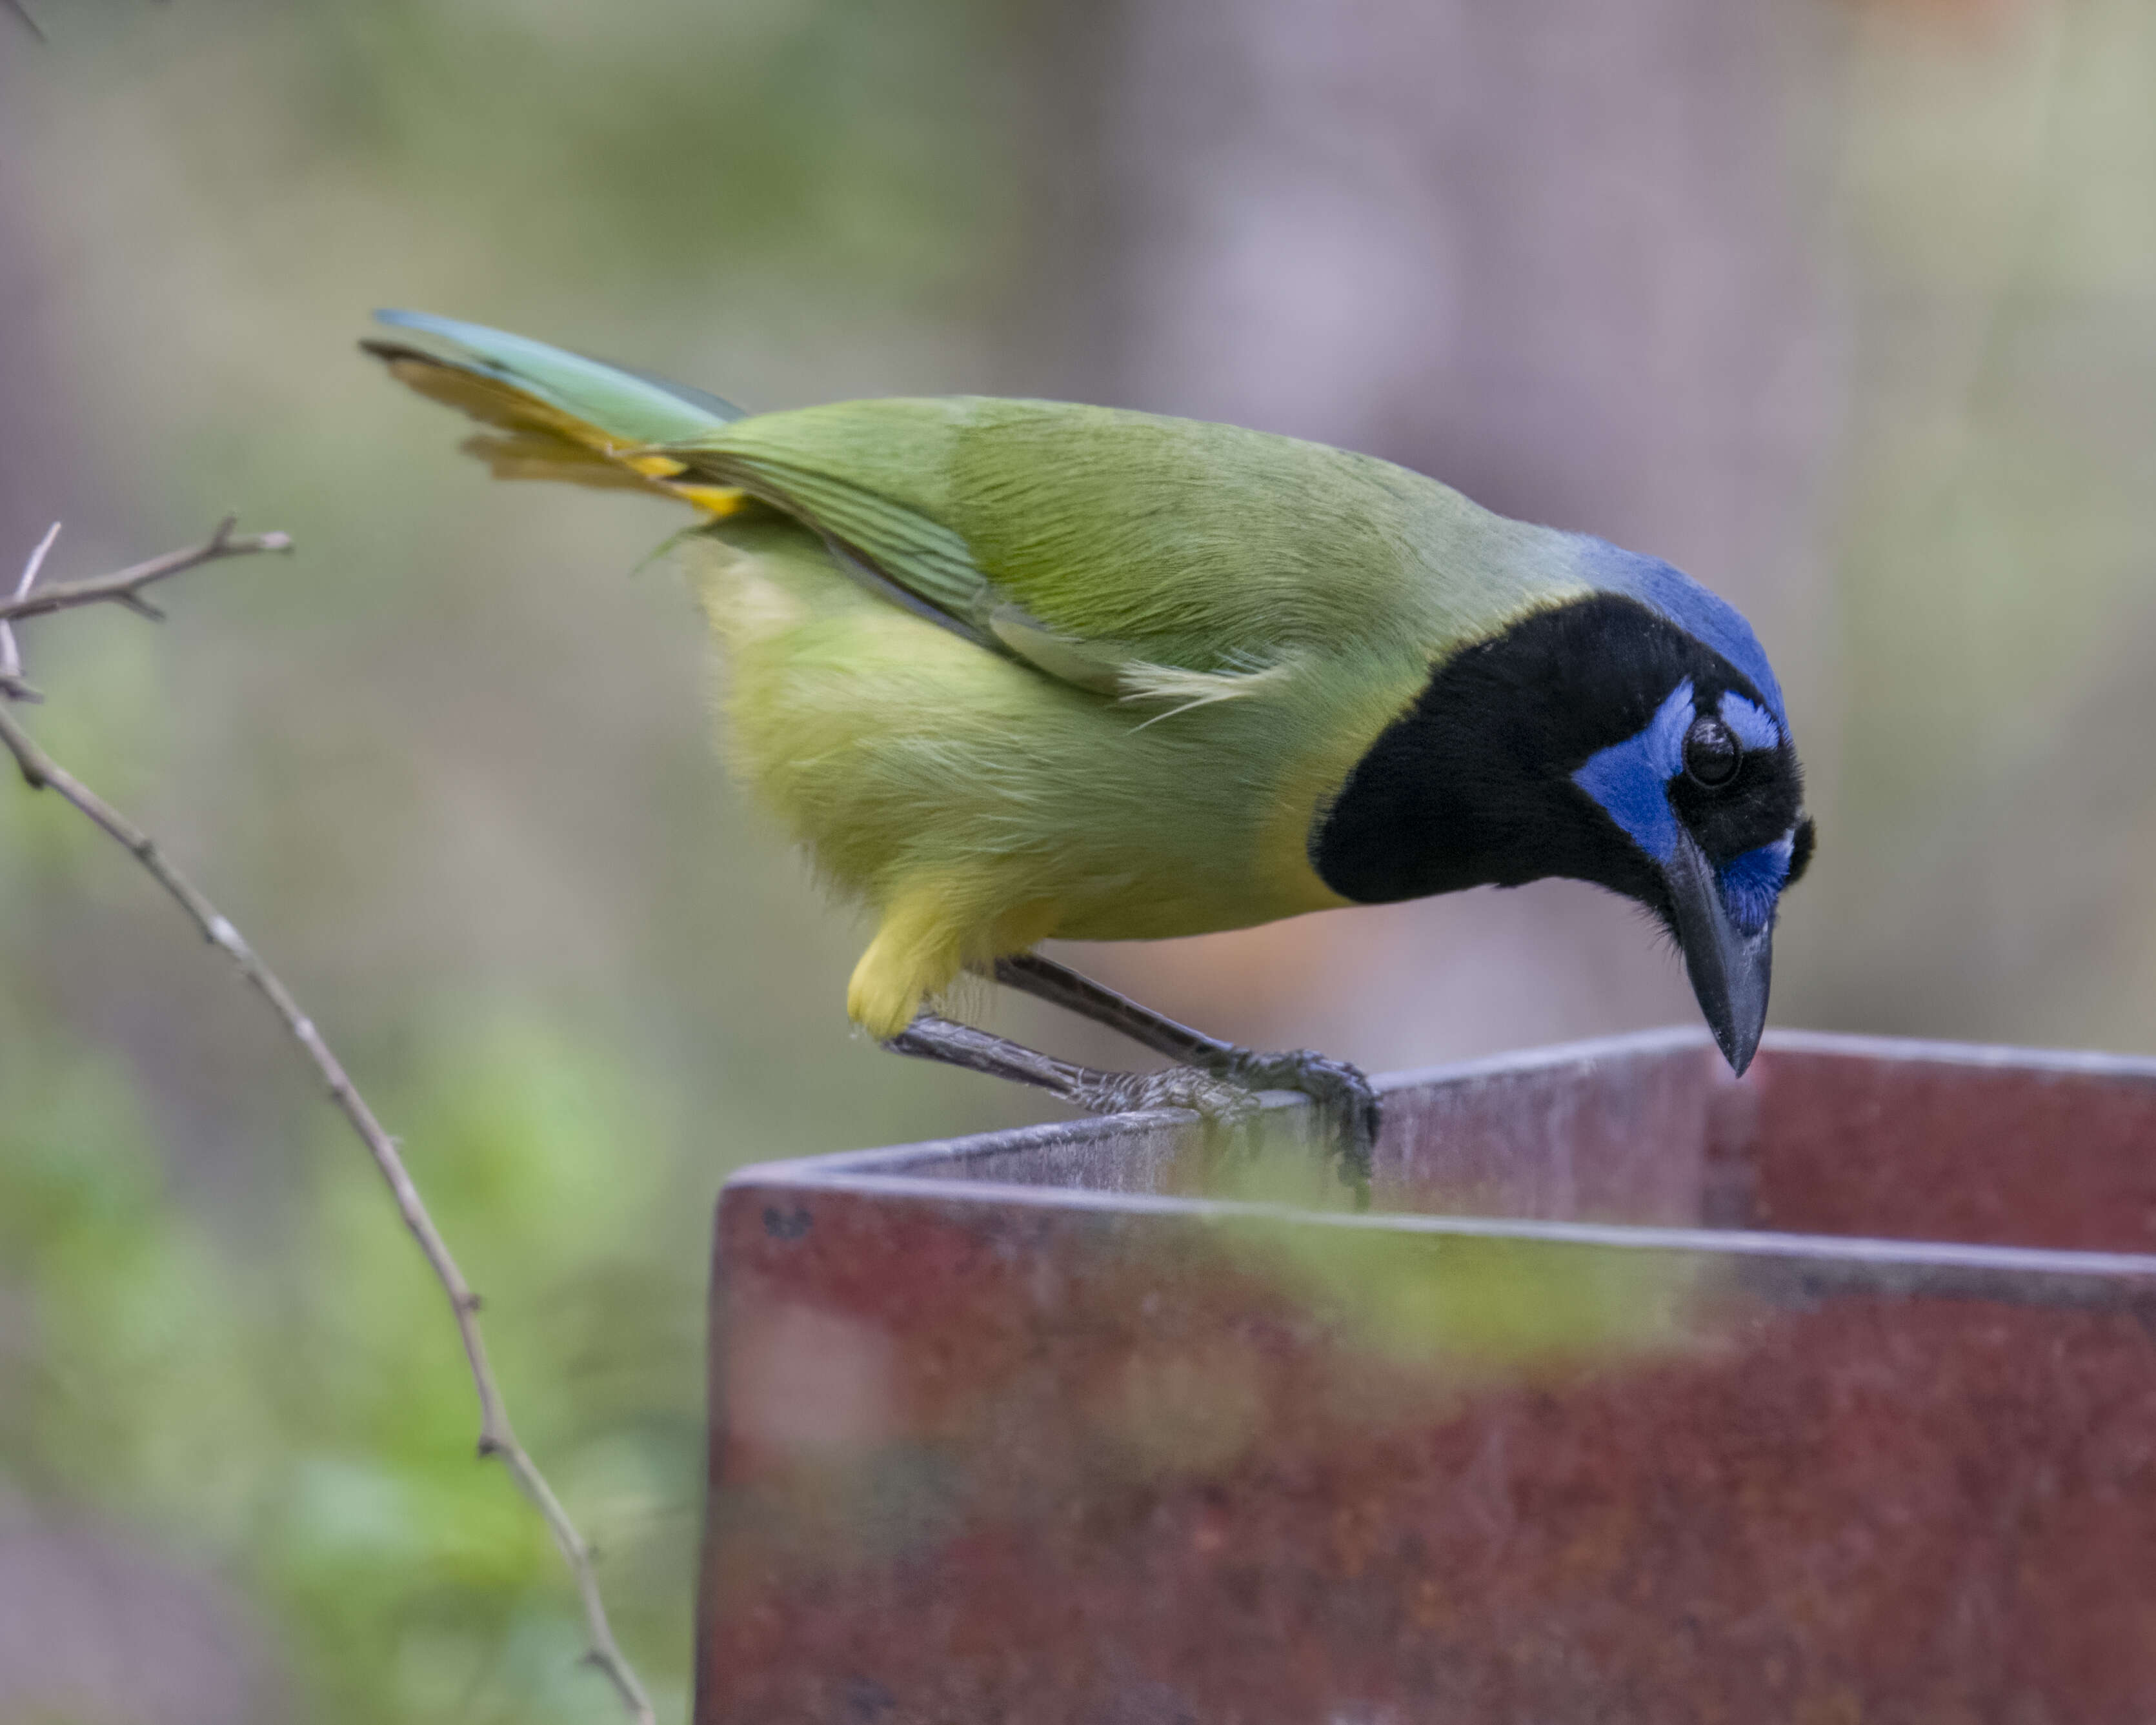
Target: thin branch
x=11 y=652
x=125 y=587
x=22 y=10
x=496 y=1437
x=36 y=562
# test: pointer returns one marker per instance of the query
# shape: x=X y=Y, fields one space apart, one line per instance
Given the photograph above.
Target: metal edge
x=1824 y=1249
x=1915 y=1050
x=1668 y=1038
x=1049 y=1134
x=882 y=1170
x=1059 y=1134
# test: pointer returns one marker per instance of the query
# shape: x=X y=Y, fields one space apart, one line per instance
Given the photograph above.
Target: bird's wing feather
x=906 y=547
x=1166 y=561
x=1108 y=548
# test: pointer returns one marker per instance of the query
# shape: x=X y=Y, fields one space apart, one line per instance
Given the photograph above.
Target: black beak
x=1729 y=968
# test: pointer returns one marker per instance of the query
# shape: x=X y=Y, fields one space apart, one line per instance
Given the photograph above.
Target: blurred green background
x=1848 y=308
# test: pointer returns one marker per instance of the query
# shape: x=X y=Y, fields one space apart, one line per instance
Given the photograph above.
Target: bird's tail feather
x=552 y=414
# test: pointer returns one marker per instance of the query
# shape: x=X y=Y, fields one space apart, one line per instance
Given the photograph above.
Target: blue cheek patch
x=1630 y=779
x=1754 y=726
x=1752 y=884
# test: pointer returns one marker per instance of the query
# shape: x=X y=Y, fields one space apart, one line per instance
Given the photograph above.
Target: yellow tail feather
x=538 y=440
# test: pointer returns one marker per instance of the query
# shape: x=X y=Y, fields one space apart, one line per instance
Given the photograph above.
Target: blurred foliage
x=1497 y=1309
x=305 y=1419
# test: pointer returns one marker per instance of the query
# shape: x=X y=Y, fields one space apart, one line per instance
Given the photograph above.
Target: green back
x=1101 y=546
x=1185 y=543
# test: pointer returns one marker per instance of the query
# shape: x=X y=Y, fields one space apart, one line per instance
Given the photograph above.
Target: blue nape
x=1630 y=779
x=1670 y=593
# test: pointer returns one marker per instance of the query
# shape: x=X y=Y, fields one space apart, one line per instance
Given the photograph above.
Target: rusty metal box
x=1638 y=1393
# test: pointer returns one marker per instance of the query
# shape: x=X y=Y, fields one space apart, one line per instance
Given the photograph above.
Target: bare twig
x=11 y=652
x=36 y=562
x=496 y=1438
x=22 y=10
x=125 y=587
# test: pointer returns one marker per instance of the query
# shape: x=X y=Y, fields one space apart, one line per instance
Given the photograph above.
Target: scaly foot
x=1345 y=1101
x=1223 y=1103
x=1226 y=1108
x=1346 y=1105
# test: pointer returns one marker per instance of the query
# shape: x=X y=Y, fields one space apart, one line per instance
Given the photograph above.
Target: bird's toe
x=1219 y=1101
x=1345 y=1100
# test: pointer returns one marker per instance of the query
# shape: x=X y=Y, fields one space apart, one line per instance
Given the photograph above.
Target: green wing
x=1123 y=552
x=1113 y=549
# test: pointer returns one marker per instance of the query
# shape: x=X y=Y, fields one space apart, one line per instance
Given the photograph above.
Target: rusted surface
x=2005 y=1147
x=990 y=1444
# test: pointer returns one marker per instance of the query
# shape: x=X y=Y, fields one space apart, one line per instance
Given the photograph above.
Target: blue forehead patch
x=1630 y=779
x=1754 y=726
x=1671 y=594
x=1752 y=884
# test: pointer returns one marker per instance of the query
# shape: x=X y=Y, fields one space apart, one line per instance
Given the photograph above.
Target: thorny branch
x=125 y=587
x=41 y=772
x=11 y=685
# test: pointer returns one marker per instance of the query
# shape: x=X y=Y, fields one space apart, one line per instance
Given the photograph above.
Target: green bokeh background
x=449 y=765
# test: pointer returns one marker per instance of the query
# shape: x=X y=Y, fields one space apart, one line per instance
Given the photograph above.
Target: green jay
x=1016 y=669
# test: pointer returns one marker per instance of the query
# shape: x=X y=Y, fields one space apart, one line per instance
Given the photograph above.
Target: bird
x=1014 y=669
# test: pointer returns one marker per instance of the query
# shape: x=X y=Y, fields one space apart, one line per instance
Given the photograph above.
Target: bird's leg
x=1345 y=1101
x=1220 y=1103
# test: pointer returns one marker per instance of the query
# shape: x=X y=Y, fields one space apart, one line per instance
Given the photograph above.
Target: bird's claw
x=1225 y=1107
x=1344 y=1099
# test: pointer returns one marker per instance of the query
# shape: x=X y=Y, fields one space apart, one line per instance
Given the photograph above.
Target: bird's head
x=1633 y=736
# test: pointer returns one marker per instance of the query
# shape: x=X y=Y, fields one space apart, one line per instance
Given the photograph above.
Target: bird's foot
x=1344 y=1101
x=1226 y=1106
x=1216 y=1081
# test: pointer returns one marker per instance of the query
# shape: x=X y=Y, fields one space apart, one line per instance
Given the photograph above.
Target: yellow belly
x=981 y=806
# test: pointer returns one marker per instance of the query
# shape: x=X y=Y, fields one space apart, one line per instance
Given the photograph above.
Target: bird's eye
x=1710 y=753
